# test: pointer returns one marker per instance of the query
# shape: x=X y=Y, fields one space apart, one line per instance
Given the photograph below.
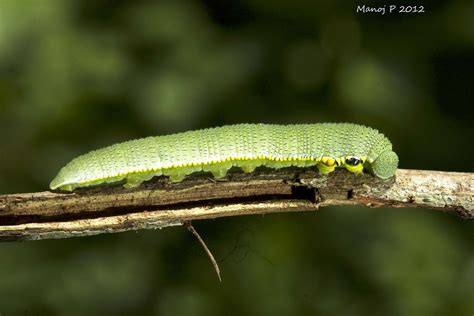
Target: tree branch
x=158 y=204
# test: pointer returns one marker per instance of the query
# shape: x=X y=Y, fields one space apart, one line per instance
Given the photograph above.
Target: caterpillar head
x=385 y=165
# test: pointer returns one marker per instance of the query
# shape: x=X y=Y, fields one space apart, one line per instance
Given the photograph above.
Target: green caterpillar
x=216 y=150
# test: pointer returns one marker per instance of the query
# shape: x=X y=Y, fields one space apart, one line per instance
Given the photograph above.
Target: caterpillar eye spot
x=353 y=161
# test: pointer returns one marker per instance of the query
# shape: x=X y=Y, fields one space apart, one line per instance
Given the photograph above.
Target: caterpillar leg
x=326 y=165
x=133 y=181
x=218 y=170
x=177 y=177
x=354 y=164
x=219 y=174
x=177 y=174
x=248 y=166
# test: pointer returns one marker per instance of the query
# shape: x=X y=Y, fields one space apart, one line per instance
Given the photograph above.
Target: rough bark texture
x=157 y=204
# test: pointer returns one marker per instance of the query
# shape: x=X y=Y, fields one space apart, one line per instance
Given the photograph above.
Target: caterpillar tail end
x=58 y=184
x=53 y=185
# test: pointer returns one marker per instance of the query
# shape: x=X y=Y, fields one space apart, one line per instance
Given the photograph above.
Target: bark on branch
x=158 y=204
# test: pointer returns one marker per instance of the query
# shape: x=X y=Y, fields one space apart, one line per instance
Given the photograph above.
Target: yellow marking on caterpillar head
x=324 y=169
x=328 y=161
x=326 y=165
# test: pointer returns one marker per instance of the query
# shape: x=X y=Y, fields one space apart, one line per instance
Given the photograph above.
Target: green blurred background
x=78 y=75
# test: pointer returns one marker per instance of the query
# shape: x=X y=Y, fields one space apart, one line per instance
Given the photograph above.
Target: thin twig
x=190 y=227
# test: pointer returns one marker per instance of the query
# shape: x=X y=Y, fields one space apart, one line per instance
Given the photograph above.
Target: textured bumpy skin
x=324 y=145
